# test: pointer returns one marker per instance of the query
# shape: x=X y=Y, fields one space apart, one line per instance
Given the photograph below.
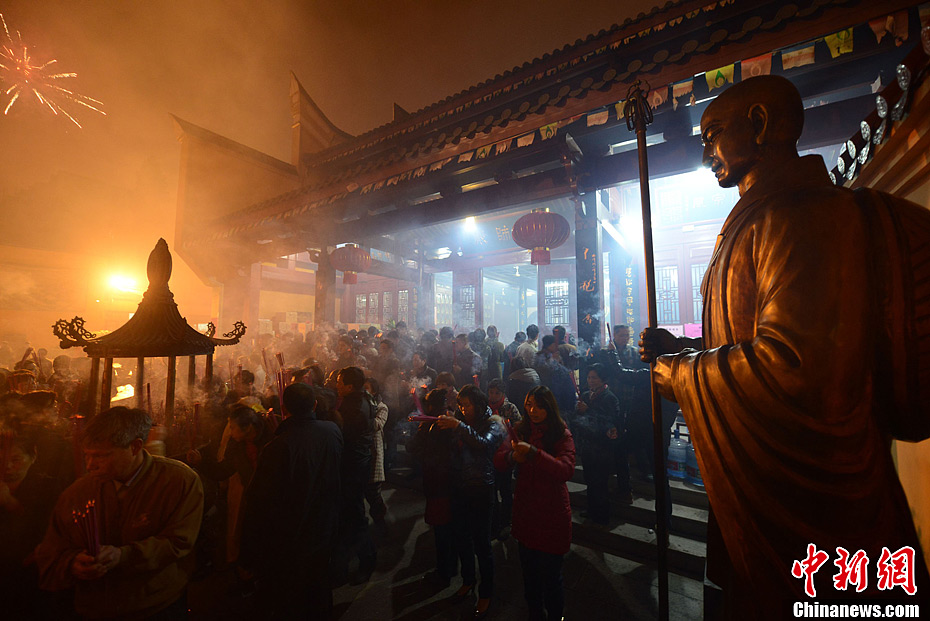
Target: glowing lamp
x=540 y=231
x=350 y=260
x=123 y=283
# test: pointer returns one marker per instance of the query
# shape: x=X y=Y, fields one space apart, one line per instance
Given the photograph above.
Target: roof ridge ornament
x=156 y=329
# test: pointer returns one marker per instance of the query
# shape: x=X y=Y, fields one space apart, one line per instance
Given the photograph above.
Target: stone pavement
x=598 y=585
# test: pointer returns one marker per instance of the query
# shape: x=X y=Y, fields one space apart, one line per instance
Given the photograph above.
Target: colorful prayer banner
x=797 y=56
x=597 y=118
x=719 y=77
x=680 y=89
x=466 y=157
x=657 y=97
x=881 y=26
x=900 y=28
x=502 y=147
x=619 y=107
x=840 y=43
x=526 y=140
x=756 y=66
x=483 y=152
x=548 y=131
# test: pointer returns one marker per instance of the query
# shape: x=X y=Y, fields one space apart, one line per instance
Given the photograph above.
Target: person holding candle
x=543 y=452
x=475 y=439
x=148 y=512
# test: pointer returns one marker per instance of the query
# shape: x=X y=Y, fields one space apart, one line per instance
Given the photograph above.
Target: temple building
x=427 y=204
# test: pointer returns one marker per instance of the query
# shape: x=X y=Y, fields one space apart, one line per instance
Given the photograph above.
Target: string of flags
x=895 y=26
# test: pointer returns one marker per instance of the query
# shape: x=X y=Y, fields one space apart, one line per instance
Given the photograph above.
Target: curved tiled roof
x=602 y=62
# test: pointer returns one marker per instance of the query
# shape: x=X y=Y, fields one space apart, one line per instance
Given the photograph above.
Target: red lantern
x=350 y=260
x=540 y=231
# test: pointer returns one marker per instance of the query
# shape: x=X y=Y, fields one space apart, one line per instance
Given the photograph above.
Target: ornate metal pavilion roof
x=155 y=330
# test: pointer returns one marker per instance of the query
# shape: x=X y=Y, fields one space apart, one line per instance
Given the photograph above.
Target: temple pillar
x=324 y=302
x=588 y=270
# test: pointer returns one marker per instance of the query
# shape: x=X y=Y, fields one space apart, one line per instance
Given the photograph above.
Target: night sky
x=110 y=188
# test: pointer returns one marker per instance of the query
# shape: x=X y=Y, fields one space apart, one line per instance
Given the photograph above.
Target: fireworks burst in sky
x=20 y=77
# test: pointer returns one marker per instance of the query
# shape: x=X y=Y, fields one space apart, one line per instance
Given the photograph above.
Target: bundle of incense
x=416 y=401
x=422 y=418
x=89 y=525
x=571 y=374
x=280 y=358
x=78 y=398
x=511 y=431
x=232 y=370
x=609 y=337
x=266 y=366
x=474 y=379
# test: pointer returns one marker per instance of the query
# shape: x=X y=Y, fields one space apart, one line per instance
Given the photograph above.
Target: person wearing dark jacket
x=433 y=446
x=520 y=382
x=27 y=498
x=600 y=424
x=475 y=440
x=358 y=415
x=248 y=434
x=544 y=454
x=289 y=517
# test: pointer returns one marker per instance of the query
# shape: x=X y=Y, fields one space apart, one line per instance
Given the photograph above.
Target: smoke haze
x=95 y=200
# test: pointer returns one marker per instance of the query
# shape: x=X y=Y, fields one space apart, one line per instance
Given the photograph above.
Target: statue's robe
x=780 y=403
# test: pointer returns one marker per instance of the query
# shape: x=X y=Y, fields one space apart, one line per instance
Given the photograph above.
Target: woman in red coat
x=544 y=454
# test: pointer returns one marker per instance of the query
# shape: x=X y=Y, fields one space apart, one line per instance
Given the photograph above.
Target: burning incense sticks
x=421 y=418
x=511 y=431
x=89 y=526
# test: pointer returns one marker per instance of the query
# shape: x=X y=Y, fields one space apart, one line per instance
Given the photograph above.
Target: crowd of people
x=275 y=475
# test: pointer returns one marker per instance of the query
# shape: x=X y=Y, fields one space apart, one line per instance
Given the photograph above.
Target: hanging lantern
x=540 y=231
x=350 y=260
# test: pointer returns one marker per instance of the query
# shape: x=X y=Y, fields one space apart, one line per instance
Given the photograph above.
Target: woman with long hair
x=476 y=437
x=544 y=455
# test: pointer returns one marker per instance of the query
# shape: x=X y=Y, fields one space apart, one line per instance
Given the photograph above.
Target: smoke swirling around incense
x=21 y=76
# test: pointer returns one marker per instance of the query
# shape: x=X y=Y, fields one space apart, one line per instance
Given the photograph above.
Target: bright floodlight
x=470 y=224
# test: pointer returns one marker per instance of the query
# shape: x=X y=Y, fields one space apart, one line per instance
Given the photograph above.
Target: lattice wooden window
x=361 y=308
x=667 y=294
x=373 y=308
x=402 y=297
x=556 y=301
x=697 y=302
x=387 y=310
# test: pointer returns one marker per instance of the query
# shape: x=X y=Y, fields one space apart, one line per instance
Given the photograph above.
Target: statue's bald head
x=777 y=95
x=751 y=129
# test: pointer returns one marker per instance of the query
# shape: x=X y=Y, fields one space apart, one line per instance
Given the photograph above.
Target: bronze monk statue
x=778 y=395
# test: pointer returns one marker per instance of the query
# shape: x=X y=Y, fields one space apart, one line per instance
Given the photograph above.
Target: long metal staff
x=638 y=115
